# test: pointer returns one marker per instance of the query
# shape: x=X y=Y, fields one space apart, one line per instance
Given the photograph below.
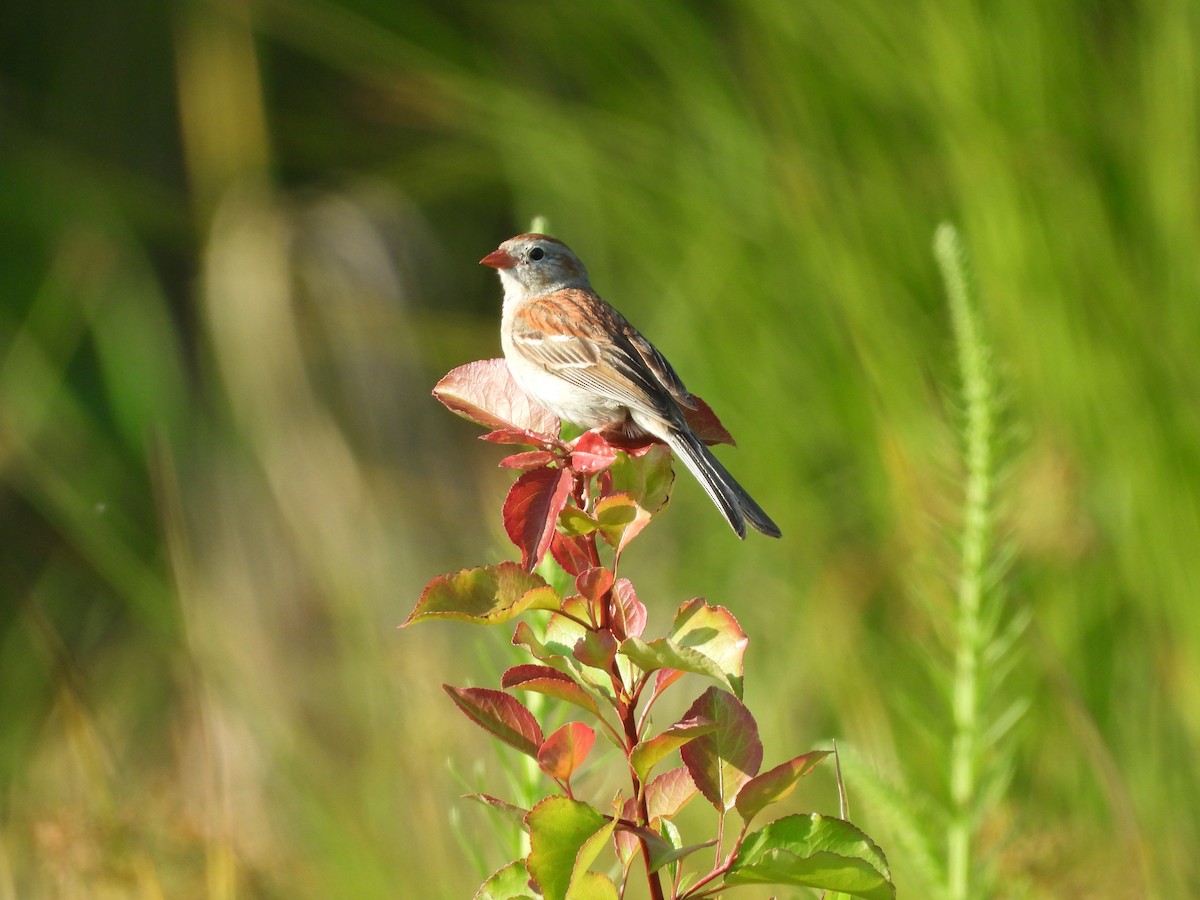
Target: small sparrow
x=577 y=356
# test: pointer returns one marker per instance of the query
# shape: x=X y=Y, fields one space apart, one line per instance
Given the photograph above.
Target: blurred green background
x=238 y=245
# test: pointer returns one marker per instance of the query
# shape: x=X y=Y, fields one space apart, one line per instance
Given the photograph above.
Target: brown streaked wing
x=568 y=332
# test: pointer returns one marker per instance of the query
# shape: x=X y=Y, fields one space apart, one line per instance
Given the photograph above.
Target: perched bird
x=577 y=356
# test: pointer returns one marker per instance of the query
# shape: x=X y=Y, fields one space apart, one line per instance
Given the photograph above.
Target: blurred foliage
x=238 y=245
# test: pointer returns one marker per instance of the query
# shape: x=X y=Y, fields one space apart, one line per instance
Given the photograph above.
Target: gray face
x=543 y=263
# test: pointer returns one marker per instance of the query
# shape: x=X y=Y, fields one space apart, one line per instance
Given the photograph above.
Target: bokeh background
x=238 y=245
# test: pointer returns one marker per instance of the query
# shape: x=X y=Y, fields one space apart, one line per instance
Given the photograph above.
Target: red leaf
x=573 y=553
x=531 y=510
x=591 y=453
x=501 y=715
x=530 y=459
x=721 y=761
x=565 y=750
x=705 y=424
x=484 y=392
x=629 y=613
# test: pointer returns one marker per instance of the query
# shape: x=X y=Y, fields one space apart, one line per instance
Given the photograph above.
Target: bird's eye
x=536 y=253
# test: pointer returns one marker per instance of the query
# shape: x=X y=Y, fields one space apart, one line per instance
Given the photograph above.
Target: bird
x=573 y=353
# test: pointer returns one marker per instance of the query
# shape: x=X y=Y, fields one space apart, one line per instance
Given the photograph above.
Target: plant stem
x=978 y=399
x=629 y=721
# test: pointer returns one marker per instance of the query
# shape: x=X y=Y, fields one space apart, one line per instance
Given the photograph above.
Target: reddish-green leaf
x=572 y=552
x=523 y=636
x=519 y=436
x=617 y=517
x=647 y=754
x=484 y=392
x=562 y=634
x=531 y=510
x=565 y=750
x=773 y=785
x=597 y=649
x=628 y=612
x=551 y=682
x=723 y=760
x=594 y=583
x=488 y=595
x=662 y=851
x=713 y=631
x=558 y=829
x=667 y=794
x=501 y=715
x=561 y=639
x=664 y=678
x=530 y=459
x=663 y=653
x=820 y=852
x=510 y=811
x=625 y=839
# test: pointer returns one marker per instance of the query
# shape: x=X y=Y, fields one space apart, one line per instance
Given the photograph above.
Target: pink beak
x=498 y=259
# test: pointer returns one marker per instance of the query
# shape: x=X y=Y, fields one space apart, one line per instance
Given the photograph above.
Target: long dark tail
x=731 y=498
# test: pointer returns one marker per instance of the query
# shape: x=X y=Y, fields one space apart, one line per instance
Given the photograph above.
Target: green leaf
x=647 y=754
x=814 y=851
x=723 y=760
x=524 y=636
x=508 y=883
x=487 y=595
x=647 y=479
x=558 y=829
x=501 y=715
x=584 y=884
x=592 y=886
x=769 y=787
x=574 y=521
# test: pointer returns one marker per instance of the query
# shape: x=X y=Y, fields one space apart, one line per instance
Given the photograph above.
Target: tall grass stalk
x=971 y=634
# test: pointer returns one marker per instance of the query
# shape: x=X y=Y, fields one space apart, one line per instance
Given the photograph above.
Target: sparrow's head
x=538 y=263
